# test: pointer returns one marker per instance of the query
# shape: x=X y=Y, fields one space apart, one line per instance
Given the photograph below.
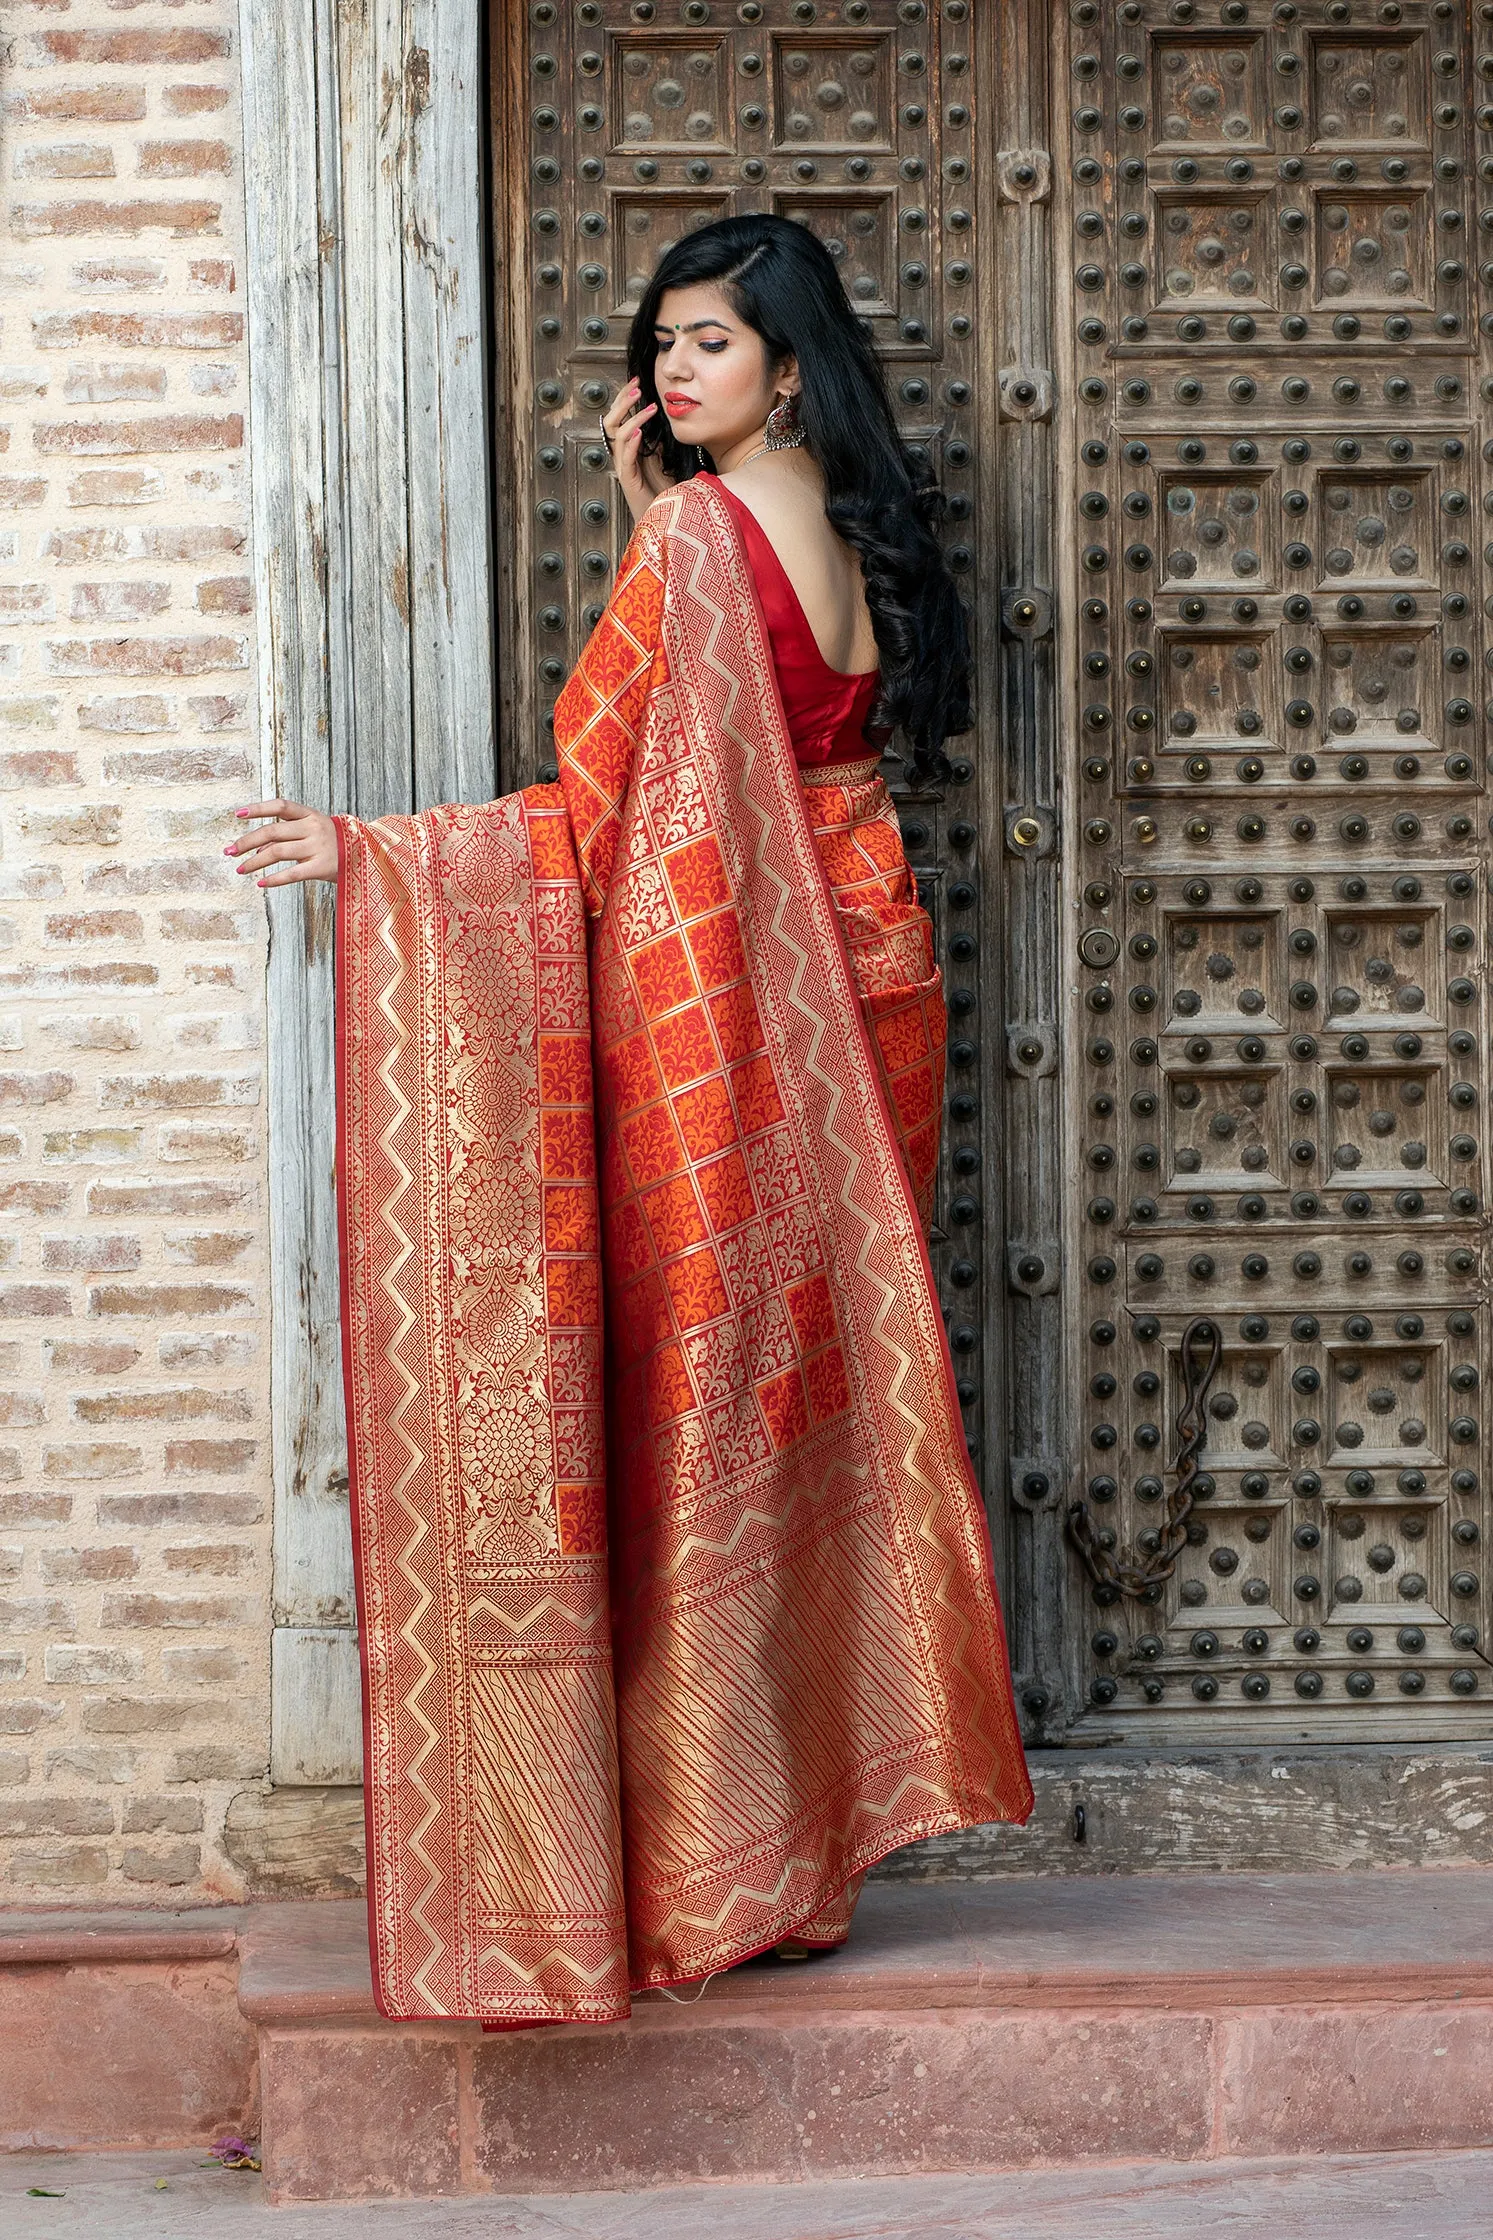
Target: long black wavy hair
x=781 y=280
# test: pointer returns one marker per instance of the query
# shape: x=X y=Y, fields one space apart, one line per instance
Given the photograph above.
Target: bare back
x=787 y=497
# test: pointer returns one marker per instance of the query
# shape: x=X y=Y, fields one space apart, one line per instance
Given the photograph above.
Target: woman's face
x=711 y=370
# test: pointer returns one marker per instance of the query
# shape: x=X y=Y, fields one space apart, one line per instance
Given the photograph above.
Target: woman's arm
x=303 y=840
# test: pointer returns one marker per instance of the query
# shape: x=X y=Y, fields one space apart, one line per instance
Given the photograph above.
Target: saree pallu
x=674 y=1588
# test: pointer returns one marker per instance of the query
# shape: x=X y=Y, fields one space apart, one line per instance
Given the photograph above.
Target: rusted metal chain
x=1140 y=1577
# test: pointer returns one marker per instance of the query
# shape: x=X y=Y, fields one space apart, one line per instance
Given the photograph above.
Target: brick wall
x=134 y=1463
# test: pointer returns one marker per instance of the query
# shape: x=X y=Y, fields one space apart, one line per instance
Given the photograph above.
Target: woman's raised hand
x=640 y=480
x=303 y=840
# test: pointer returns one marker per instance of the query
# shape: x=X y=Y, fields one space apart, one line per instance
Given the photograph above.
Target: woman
x=649 y=1684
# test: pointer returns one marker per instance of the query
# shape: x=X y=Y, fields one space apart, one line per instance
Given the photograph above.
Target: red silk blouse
x=826 y=708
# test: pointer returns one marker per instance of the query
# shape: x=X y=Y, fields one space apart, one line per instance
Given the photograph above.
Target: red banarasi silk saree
x=674 y=1586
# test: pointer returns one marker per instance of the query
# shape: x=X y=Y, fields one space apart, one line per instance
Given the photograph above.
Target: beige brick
x=163 y=1816
x=34 y=1508
x=80 y=824
x=36 y=221
x=157 y=1611
x=15 y=1768
x=77 y=1866
x=100 y=1764
x=138 y=1512
x=179 y=766
x=209 y=925
x=67 y=1254
x=95 y=1031
x=118 y=602
x=129 y=49
x=220 y=1560
x=140 y=712
x=75 y=104
x=117 y=486
x=170 y=1864
x=26 y=1196
x=92 y=1146
x=158 y=1091
x=113 y=384
x=204 y=1667
x=193 y=101
x=39 y=766
x=88 y=1461
x=218 y=1762
x=94 y=925
x=35 y=1614
x=38 y=713
x=115 y=1200
x=69 y=1566
x=96 y=1357
x=35 y=1088
x=209 y=1248
x=26 y=1714
x=73 y=159
x=56 y=1816
x=35 y=1299
x=145 y=657
x=138 y=1714
x=182 y=159
x=158 y=875
x=22 y=1408
x=174 y=1404
x=84 y=1664
x=218 y=711
x=206 y=1143
x=215 y=1349
x=221 y=1458
x=152 y=1299
x=118 y=275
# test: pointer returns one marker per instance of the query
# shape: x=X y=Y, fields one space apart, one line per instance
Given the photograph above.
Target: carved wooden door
x=1273 y=427
x=1195 y=341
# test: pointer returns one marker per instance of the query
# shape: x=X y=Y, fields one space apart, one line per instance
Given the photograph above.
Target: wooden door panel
x=1276 y=845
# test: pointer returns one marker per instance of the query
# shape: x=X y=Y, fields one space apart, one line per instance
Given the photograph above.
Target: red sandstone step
x=122 y=2029
x=1010 y=2024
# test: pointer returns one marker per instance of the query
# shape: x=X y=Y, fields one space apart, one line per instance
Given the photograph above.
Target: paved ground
x=1380 y=2197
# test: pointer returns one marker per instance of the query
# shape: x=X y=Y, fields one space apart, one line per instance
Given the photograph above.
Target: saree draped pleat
x=674 y=1587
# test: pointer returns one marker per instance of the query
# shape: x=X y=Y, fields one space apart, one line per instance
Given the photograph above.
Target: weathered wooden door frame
x=370 y=463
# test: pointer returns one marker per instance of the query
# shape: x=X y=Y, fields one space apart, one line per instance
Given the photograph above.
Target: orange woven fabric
x=675 y=1591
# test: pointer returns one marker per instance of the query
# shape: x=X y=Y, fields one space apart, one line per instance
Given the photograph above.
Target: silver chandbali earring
x=784 y=429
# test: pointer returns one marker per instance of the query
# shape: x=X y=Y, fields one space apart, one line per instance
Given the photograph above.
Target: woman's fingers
x=303 y=838
x=248 y=844
x=275 y=852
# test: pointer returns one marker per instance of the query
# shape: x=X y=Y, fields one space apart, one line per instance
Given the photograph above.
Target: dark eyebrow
x=692 y=328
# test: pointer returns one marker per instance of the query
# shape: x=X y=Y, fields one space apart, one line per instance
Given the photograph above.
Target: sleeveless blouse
x=826 y=709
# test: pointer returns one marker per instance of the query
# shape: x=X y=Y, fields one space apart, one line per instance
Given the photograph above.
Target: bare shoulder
x=789 y=498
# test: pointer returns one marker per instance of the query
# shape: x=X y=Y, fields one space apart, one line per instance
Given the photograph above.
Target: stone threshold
x=58 y=1937
x=1240 y=1940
